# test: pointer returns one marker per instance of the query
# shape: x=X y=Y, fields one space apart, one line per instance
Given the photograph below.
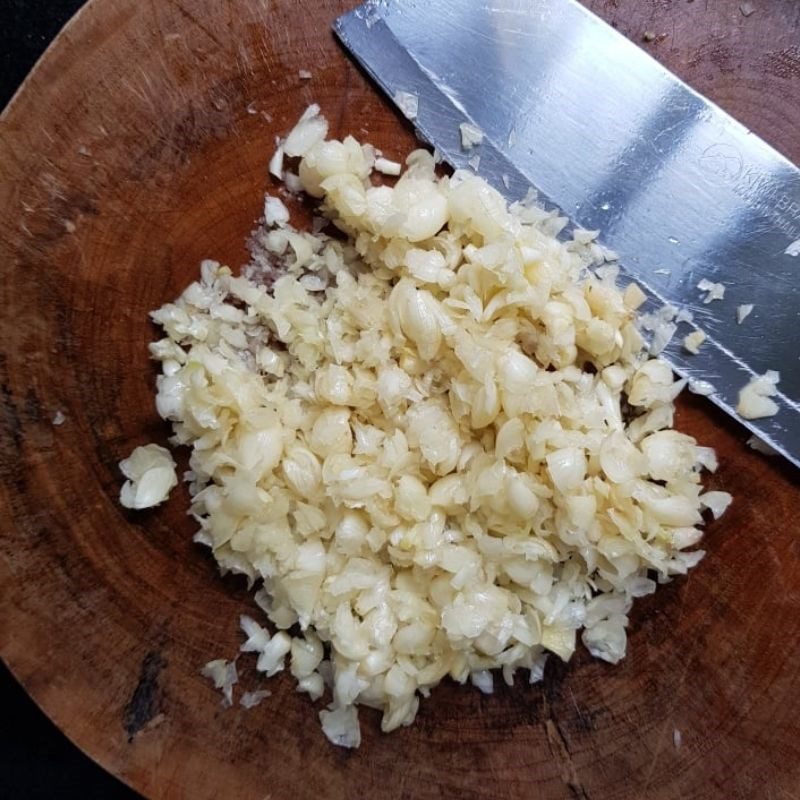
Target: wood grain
x=138 y=147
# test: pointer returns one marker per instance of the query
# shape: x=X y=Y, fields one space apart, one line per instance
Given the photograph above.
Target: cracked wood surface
x=138 y=147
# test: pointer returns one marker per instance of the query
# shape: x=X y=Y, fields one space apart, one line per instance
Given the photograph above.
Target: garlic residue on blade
x=743 y=312
x=693 y=340
x=471 y=135
x=714 y=291
x=408 y=104
x=755 y=399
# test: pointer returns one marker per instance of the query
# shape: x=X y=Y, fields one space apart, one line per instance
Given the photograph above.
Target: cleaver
x=614 y=141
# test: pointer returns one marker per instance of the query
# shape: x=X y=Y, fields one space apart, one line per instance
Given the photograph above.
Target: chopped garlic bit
x=662 y=326
x=582 y=236
x=754 y=399
x=223 y=674
x=716 y=502
x=252 y=699
x=703 y=388
x=304 y=75
x=408 y=103
x=387 y=167
x=271 y=659
x=415 y=435
x=311 y=129
x=471 y=135
x=150 y=471
x=59 y=418
x=275 y=212
x=693 y=340
x=341 y=726
x=633 y=297
x=483 y=680
x=257 y=637
x=276 y=162
x=293 y=183
x=714 y=291
x=743 y=312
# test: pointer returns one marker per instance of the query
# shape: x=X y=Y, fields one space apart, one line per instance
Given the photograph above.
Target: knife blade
x=604 y=133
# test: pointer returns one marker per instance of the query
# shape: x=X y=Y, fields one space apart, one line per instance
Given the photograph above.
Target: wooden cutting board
x=138 y=147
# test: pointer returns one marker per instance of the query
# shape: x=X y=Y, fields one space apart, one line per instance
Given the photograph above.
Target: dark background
x=26 y=28
x=36 y=759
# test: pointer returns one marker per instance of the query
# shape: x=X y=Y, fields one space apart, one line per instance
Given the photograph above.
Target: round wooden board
x=138 y=147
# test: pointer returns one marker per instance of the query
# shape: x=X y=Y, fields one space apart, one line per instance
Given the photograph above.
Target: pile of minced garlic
x=436 y=441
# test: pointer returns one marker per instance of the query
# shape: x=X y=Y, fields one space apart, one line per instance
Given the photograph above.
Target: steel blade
x=677 y=187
